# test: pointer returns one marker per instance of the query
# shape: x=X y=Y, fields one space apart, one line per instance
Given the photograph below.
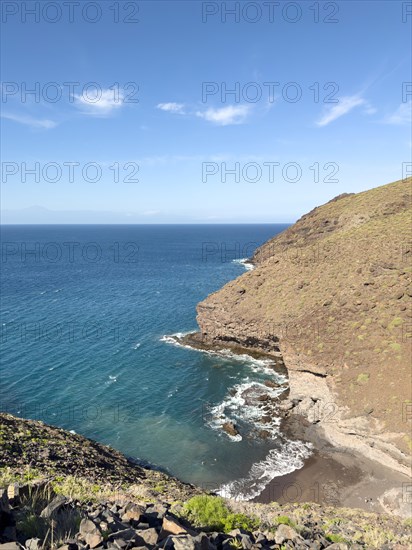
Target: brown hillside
x=335 y=291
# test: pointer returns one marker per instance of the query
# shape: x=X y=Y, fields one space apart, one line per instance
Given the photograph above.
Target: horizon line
x=152 y=224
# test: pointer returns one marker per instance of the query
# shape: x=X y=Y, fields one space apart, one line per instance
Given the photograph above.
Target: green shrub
x=240 y=521
x=207 y=511
x=9 y=476
x=77 y=488
x=212 y=513
x=285 y=520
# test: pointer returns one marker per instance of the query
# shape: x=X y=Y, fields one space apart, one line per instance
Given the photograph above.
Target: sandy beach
x=336 y=478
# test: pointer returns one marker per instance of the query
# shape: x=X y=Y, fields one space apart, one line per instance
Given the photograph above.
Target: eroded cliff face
x=333 y=292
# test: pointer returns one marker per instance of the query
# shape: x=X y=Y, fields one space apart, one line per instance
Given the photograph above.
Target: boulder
x=183 y=542
x=119 y=544
x=33 y=544
x=132 y=512
x=54 y=506
x=285 y=533
x=171 y=526
x=286 y=405
x=129 y=536
x=150 y=536
x=230 y=428
x=90 y=533
x=264 y=397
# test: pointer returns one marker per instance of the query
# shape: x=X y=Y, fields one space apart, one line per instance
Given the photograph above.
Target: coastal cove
x=88 y=350
x=255 y=396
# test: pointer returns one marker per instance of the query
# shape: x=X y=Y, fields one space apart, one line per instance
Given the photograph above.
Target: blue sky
x=176 y=142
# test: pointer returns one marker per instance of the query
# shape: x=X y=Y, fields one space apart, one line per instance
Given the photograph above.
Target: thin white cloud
x=345 y=105
x=151 y=213
x=172 y=107
x=43 y=123
x=402 y=115
x=232 y=114
x=102 y=103
x=369 y=109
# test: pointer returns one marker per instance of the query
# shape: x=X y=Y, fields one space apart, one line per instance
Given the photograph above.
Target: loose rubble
x=121 y=524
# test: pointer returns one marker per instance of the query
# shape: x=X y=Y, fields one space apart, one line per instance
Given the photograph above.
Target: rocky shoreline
x=267 y=398
x=376 y=474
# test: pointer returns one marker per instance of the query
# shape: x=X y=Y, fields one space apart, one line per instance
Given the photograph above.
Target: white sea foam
x=289 y=457
x=245 y=262
x=243 y=404
x=112 y=380
x=174 y=339
x=246 y=407
x=264 y=366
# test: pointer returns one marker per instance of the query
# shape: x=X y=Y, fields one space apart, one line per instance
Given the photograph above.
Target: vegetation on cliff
x=333 y=293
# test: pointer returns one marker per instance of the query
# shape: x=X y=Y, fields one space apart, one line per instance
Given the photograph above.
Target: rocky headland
x=330 y=297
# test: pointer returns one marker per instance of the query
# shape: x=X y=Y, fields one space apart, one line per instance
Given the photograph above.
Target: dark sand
x=335 y=478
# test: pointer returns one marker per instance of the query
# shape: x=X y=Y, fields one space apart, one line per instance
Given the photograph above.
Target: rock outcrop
x=33 y=449
x=333 y=294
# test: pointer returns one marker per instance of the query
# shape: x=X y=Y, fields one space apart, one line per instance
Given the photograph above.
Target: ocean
x=88 y=314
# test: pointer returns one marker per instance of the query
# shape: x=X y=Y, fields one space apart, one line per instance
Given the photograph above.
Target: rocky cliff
x=333 y=294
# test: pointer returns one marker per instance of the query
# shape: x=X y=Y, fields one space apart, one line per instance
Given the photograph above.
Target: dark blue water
x=84 y=312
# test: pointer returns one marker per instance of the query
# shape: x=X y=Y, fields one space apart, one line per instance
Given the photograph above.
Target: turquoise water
x=86 y=312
